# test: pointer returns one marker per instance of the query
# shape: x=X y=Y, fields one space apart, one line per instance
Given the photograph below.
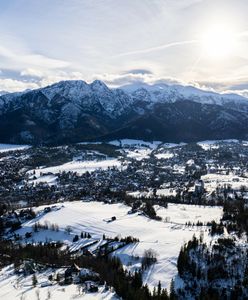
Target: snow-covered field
x=79 y=166
x=165 y=155
x=182 y=213
x=147 y=194
x=136 y=149
x=139 y=154
x=141 y=143
x=14 y=288
x=214 y=144
x=12 y=147
x=165 y=237
x=166 y=192
x=211 y=181
x=138 y=143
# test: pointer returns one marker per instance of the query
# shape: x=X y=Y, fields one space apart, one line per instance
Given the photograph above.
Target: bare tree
x=149 y=258
x=49 y=295
x=68 y=229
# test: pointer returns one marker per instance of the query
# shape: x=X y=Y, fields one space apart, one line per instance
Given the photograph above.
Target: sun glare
x=218 y=42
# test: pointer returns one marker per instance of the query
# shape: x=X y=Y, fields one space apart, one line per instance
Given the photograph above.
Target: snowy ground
x=166 y=192
x=136 y=149
x=138 y=143
x=13 y=287
x=211 y=181
x=49 y=179
x=12 y=147
x=79 y=166
x=214 y=144
x=141 y=143
x=139 y=154
x=165 y=155
x=182 y=213
x=164 y=237
x=147 y=194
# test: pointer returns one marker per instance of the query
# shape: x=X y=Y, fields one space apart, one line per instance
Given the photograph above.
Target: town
x=88 y=204
x=187 y=173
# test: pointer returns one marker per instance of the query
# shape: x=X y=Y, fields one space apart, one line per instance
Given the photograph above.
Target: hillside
x=72 y=111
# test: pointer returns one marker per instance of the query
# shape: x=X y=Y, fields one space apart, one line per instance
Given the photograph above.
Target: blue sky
x=44 y=41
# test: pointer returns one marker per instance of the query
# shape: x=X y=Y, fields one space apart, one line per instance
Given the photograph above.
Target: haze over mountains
x=74 y=111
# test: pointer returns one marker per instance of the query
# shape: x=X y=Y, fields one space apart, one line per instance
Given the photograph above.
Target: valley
x=123 y=199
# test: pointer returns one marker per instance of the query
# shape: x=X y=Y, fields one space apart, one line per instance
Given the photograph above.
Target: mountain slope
x=72 y=111
x=172 y=93
x=186 y=121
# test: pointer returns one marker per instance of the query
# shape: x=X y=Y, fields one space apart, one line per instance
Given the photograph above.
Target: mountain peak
x=69 y=89
x=98 y=85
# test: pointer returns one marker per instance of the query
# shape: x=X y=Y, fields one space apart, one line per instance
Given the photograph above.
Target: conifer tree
x=34 y=280
x=173 y=295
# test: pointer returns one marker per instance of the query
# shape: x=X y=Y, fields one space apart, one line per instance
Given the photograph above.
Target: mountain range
x=75 y=111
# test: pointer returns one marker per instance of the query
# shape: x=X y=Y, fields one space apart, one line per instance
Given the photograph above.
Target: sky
x=197 y=42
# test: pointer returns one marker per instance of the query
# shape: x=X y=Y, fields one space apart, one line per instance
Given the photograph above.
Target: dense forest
x=219 y=269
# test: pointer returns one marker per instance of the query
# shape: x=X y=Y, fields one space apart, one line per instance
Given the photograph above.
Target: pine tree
x=137 y=280
x=159 y=288
x=164 y=295
x=34 y=280
x=182 y=261
x=173 y=295
x=245 y=280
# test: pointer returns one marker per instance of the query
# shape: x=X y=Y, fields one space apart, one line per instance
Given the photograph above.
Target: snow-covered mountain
x=171 y=93
x=70 y=111
x=78 y=92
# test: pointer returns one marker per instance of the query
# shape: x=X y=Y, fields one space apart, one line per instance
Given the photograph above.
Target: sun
x=218 y=42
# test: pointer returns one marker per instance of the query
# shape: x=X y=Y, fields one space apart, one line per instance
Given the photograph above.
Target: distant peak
x=70 y=83
x=99 y=85
x=97 y=81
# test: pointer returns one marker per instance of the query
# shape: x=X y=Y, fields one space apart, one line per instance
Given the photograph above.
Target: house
x=72 y=270
x=91 y=287
x=199 y=187
x=86 y=275
x=71 y=273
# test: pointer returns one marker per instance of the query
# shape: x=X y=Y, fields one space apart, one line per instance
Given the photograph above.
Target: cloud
x=157 y=48
x=239 y=86
x=13 y=85
x=32 y=73
x=182 y=4
x=15 y=81
x=138 y=71
x=124 y=78
x=243 y=93
x=29 y=60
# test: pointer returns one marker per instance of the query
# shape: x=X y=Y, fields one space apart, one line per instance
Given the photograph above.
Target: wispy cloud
x=77 y=39
x=130 y=77
x=157 y=48
x=31 y=59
